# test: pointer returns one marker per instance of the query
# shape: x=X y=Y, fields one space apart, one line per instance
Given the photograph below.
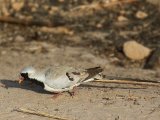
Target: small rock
x=5 y=11
x=34 y=49
x=19 y=38
x=33 y=9
x=17 y=6
x=56 y=109
x=46 y=7
x=122 y=18
x=3 y=52
x=61 y=1
x=53 y=10
x=99 y=25
x=135 y=51
x=37 y=47
x=10 y=38
x=141 y=15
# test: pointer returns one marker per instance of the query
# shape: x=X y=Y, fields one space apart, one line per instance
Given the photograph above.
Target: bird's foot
x=72 y=92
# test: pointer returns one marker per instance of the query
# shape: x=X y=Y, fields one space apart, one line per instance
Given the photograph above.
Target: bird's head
x=26 y=73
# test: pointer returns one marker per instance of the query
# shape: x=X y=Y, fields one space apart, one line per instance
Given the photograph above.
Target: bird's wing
x=56 y=77
x=64 y=77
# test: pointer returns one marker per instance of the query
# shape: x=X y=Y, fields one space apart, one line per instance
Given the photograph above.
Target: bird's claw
x=71 y=93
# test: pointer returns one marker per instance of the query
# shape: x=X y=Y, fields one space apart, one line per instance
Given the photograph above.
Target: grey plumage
x=62 y=78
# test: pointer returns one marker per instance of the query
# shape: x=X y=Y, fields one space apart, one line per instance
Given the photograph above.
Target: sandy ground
x=94 y=37
x=93 y=101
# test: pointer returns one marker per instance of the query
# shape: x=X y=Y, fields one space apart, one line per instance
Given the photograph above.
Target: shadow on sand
x=25 y=85
x=33 y=87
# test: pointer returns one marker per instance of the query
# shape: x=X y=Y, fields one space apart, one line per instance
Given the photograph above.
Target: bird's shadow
x=8 y=84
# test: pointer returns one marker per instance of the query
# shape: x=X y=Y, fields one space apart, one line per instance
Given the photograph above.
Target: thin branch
x=129 y=82
x=26 y=22
x=56 y=30
x=23 y=110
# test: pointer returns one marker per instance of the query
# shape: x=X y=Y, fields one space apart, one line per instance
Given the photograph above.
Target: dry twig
x=56 y=30
x=28 y=22
x=129 y=82
x=39 y=113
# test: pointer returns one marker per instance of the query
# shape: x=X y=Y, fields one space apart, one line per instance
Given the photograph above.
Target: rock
x=135 y=51
x=122 y=18
x=33 y=9
x=61 y=1
x=35 y=49
x=121 y=21
x=38 y=47
x=53 y=9
x=141 y=15
x=3 y=52
x=17 y=6
x=19 y=38
x=5 y=11
x=99 y=25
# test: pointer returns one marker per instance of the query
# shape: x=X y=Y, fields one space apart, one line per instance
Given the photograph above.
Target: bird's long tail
x=93 y=74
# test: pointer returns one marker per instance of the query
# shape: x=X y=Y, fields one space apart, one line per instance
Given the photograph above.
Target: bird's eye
x=22 y=74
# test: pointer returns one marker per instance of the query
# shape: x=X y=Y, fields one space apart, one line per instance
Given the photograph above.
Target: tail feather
x=93 y=74
x=86 y=76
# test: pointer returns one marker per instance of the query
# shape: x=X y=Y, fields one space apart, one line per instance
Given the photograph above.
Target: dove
x=58 y=79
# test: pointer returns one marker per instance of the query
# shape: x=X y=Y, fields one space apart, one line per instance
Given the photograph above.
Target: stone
x=3 y=52
x=19 y=38
x=122 y=18
x=17 y=6
x=135 y=51
x=141 y=15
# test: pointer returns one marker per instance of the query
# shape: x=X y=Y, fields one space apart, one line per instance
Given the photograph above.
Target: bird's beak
x=21 y=79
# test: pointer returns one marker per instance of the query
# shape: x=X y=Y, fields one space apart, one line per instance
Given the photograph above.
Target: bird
x=61 y=78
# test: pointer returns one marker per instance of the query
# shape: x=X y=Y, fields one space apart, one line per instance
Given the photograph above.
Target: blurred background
x=109 y=33
x=121 y=36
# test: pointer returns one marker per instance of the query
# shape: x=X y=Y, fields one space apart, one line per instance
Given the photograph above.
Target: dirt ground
x=92 y=101
x=87 y=46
